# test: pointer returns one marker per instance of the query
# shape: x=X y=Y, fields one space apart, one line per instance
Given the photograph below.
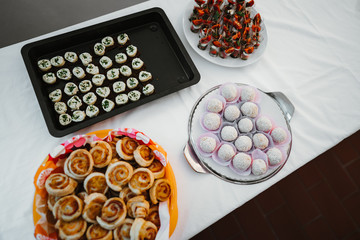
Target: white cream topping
x=44 y=64
x=85 y=86
x=92 y=111
x=57 y=61
x=55 y=95
x=134 y=95
x=107 y=105
x=105 y=62
x=78 y=116
x=85 y=58
x=242 y=161
x=132 y=83
x=107 y=41
x=89 y=98
x=123 y=38
x=71 y=57
x=113 y=73
x=121 y=99
x=144 y=76
x=74 y=102
x=49 y=78
x=137 y=63
x=103 y=91
x=99 y=49
x=207 y=144
x=60 y=107
x=119 y=86
x=78 y=72
x=258 y=167
x=64 y=119
x=120 y=58
x=64 y=74
x=249 y=109
x=98 y=79
x=92 y=69
x=125 y=70
x=131 y=50
x=70 y=89
x=148 y=89
x=226 y=152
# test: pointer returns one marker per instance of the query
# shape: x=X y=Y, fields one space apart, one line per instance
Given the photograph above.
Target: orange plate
x=173 y=209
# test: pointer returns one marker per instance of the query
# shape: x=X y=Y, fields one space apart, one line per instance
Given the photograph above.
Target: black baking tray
x=160 y=48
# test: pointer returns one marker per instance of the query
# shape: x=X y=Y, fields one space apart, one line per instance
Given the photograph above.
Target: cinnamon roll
x=71 y=230
x=142 y=229
x=113 y=213
x=59 y=184
x=123 y=231
x=141 y=180
x=125 y=147
x=154 y=216
x=143 y=155
x=95 y=183
x=126 y=194
x=79 y=164
x=138 y=207
x=118 y=174
x=68 y=208
x=102 y=153
x=161 y=191
x=93 y=205
x=96 y=232
x=157 y=168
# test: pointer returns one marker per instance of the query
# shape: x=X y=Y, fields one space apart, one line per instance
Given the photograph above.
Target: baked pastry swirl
x=71 y=230
x=96 y=232
x=113 y=146
x=160 y=191
x=82 y=195
x=142 y=229
x=123 y=231
x=95 y=183
x=157 y=168
x=125 y=147
x=141 y=180
x=154 y=216
x=113 y=213
x=126 y=194
x=68 y=208
x=51 y=201
x=101 y=152
x=118 y=174
x=59 y=184
x=138 y=207
x=93 y=205
x=79 y=164
x=143 y=155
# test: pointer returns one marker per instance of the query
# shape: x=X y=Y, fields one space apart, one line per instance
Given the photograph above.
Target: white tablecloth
x=312 y=56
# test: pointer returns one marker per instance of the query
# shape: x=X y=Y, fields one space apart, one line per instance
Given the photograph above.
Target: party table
x=312 y=56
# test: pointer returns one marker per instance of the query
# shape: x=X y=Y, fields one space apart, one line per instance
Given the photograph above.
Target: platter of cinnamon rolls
x=107 y=190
